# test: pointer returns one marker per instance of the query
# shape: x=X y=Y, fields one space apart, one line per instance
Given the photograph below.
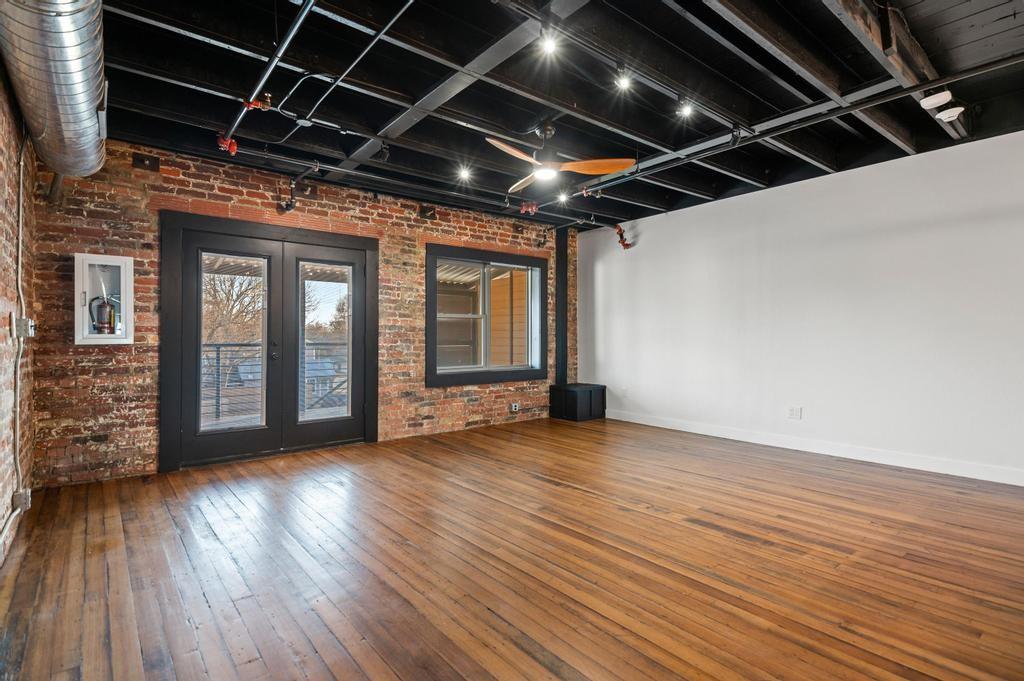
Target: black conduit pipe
x=877 y=100
x=307 y=6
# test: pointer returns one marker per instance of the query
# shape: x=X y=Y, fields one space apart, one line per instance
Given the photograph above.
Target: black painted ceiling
x=415 y=107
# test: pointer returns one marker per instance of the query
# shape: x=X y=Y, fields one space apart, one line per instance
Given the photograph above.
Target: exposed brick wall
x=10 y=141
x=97 y=407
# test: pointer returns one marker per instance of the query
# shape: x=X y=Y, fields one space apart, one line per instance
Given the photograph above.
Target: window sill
x=483 y=377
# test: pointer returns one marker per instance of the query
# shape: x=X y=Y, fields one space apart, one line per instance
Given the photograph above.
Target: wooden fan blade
x=521 y=184
x=598 y=166
x=512 y=151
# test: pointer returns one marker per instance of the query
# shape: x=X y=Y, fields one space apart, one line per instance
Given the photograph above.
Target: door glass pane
x=325 y=341
x=233 y=369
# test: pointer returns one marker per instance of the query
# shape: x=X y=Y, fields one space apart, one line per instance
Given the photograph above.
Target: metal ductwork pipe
x=53 y=50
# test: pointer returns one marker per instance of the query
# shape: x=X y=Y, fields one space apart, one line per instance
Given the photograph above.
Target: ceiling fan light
x=545 y=173
x=933 y=100
x=950 y=112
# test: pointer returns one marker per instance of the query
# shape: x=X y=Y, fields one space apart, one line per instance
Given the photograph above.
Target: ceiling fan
x=547 y=169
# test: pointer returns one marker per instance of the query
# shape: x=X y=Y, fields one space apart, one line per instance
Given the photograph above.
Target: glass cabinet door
x=104 y=305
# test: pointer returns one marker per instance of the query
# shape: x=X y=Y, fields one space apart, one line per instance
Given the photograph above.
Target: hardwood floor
x=543 y=550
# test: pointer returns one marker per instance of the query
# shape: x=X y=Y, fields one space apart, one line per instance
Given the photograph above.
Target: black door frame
x=173 y=225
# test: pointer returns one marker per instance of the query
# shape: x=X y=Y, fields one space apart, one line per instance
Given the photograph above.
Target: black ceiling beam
x=771 y=33
x=168 y=106
x=752 y=62
x=674 y=73
x=719 y=144
x=286 y=65
x=444 y=114
x=172 y=137
x=586 y=114
x=496 y=193
x=893 y=47
x=427 y=147
x=497 y=52
x=808 y=116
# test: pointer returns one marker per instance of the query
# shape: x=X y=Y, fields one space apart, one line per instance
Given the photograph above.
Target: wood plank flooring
x=540 y=550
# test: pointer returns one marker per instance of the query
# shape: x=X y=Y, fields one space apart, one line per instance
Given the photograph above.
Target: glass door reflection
x=233 y=336
x=325 y=347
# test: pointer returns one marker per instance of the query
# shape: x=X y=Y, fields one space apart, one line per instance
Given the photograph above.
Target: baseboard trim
x=933 y=464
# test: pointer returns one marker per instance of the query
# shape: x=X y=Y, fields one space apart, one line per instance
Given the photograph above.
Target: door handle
x=275 y=355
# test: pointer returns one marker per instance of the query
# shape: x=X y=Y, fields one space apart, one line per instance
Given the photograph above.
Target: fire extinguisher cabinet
x=104 y=300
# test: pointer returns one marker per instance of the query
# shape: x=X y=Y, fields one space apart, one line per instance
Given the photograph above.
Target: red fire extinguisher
x=102 y=314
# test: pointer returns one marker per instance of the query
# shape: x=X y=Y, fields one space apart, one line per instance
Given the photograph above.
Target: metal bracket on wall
x=55 y=194
x=288 y=205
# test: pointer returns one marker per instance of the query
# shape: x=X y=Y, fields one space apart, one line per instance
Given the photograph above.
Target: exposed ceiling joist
x=444 y=113
x=496 y=53
x=660 y=68
x=731 y=47
x=429 y=145
x=431 y=82
x=890 y=42
x=176 y=109
x=466 y=75
x=770 y=33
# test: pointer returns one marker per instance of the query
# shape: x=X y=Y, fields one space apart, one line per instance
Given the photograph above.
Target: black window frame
x=476 y=376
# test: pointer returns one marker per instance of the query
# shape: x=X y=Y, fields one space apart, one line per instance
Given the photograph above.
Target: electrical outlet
x=515 y=406
x=796 y=413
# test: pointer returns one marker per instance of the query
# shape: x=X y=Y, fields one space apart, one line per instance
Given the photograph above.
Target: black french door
x=272 y=344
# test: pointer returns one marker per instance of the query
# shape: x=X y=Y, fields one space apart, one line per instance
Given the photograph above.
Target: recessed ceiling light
x=622 y=79
x=548 y=44
x=562 y=197
x=545 y=173
x=685 y=109
x=933 y=100
x=950 y=112
x=463 y=173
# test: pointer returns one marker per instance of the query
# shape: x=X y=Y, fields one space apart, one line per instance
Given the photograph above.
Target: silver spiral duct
x=53 y=50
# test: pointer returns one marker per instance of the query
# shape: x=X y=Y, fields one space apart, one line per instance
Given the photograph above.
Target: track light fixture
x=684 y=109
x=548 y=42
x=464 y=173
x=562 y=197
x=622 y=79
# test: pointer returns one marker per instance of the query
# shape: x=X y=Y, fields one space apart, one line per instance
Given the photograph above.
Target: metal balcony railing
x=233 y=383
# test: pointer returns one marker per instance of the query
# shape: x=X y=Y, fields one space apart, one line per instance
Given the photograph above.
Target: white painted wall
x=888 y=302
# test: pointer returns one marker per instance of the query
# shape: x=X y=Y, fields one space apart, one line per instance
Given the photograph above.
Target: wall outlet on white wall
x=796 y=413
